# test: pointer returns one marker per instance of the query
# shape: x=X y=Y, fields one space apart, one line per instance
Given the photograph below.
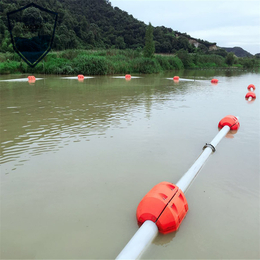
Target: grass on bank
x=107 y=62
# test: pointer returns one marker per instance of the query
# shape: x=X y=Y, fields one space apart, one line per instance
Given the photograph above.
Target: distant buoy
x=250 y=94
x=80 y=76
x=128 y=76
x=176 y=78
x=214 y=81
x=251 y=86
x=31 y=79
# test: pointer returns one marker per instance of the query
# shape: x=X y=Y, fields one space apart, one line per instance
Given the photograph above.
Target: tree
x=32 y=17
x=230 y=59
x=120 y=43
x=149 y=47
x=185 y=57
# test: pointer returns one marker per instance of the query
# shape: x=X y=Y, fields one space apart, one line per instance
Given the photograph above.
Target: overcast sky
x=229 y=23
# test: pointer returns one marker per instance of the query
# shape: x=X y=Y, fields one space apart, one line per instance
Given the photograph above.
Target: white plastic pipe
x=188 y=177
x=138 y=243
x=148 y=231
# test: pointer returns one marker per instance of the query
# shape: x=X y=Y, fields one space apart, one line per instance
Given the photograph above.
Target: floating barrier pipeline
x=81 y=78
x=33 y=79
x=164 y=207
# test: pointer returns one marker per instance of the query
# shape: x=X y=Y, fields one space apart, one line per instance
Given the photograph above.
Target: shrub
x=145 y=65
x=90 y=65
x=176 y=63
x=9 y=67
x=164 y=62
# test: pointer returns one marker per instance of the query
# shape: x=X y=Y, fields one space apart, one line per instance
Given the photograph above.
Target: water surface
x=77 y=158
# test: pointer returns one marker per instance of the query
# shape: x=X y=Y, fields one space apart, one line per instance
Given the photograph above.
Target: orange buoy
x=31 y=79
x=230 y=121
x=164 y=204
x=176 y=78
x=250 y=94
x=128 y=76
x=173 y=214
x=80 y=76
x=214 y=81
x=251 y=86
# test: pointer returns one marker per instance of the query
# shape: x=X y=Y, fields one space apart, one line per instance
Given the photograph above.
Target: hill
x=238 y=51
x=92 y=24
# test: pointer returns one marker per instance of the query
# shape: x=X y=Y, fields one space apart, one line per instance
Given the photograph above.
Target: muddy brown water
x=77 y=158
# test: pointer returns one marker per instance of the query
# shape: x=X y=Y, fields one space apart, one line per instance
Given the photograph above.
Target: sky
x=229 y=23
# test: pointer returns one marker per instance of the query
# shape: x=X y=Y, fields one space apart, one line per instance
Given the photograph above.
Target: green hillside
x=94 y=38
x=92 y=24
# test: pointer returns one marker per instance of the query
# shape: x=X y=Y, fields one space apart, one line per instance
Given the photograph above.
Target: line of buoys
x=176 y=78
x=31 y=79
x=214 y=81
x=127 y=76
x=164 y=207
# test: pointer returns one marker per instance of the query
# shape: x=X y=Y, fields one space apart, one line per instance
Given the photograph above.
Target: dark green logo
x=32 y=30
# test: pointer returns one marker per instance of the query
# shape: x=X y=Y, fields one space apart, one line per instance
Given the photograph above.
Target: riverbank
x=108 y=62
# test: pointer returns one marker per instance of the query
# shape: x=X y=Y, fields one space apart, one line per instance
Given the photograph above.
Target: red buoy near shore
x=80 y=77
x=214 y=81
x=176 y=78
x=127 y=76
x=31 y=79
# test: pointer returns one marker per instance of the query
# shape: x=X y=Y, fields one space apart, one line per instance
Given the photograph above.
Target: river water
x=77 y=158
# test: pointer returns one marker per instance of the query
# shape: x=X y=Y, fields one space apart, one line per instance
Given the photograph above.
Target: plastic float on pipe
x=214 y=81
x=230 y=121
x=127 y=76
x=31 y=79
x=176 y=78
x=164 y=207
x=250 y=94
x=81 y=77
x=251 y=87
x=165 y=204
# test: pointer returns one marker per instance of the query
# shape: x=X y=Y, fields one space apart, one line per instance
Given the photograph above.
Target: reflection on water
x=77 y=158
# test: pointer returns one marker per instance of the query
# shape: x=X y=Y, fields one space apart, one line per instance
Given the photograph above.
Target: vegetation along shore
x=114 y=61
x=94 y=38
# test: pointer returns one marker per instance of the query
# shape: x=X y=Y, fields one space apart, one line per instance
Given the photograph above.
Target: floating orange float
x=128 y=76
x=80 y=77
x=174 y=213
x=214 y=81
x=31 y=79
x=250 y=94
x=176 y=78
x=165 y=204
x=230 y=121
x=251 y=86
